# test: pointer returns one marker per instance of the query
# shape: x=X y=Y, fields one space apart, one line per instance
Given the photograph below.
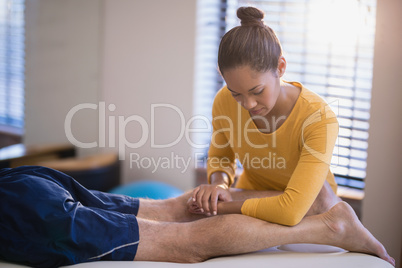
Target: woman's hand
x=206 y=196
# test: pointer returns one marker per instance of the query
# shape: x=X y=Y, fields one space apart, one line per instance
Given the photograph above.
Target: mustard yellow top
x=294 y=158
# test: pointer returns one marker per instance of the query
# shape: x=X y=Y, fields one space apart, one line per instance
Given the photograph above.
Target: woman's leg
x=234 y=234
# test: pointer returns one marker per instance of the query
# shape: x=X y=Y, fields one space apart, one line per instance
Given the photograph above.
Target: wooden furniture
x=20 y=155
x=97 y=172
x=9 y=138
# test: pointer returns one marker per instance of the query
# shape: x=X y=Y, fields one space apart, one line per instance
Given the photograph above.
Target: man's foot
x=349 y=233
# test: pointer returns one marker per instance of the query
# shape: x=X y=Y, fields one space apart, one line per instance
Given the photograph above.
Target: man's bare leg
x=169 y=210
x=203 y=239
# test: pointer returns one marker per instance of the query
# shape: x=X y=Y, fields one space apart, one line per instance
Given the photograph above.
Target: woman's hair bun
x=250 y=16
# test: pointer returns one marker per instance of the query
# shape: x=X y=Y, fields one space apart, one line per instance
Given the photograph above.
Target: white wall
x=382 y=213
x=62 y=68
x=129 y=53
x=148 y=58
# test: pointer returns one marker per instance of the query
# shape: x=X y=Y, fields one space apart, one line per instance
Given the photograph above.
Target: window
x=12 y=63
x=328 y=45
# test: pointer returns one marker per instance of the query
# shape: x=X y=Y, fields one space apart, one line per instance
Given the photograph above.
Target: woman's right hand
x=206 y=197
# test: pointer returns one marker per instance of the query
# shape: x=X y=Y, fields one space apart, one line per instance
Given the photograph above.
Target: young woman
x=281 y=132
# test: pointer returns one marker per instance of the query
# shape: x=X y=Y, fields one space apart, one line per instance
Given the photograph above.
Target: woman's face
x=256 y=91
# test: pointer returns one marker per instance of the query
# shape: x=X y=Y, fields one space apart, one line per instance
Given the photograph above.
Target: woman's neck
x=286 y=101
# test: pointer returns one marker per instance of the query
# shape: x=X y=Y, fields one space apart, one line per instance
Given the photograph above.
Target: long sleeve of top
x=294 y=158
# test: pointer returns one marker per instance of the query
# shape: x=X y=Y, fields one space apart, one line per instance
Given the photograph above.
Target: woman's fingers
x=205 y=202
x=214 y=202
x=200 y=197
x=195 y=192
x=206 y=198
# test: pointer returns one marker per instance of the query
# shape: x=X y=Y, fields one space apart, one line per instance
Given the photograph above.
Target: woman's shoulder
x=308 y=98
x=312 y=98
x=223 y=99
x=311 y=103
x=223 y=94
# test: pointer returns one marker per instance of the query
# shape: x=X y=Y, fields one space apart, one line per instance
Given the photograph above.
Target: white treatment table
x=300 y=255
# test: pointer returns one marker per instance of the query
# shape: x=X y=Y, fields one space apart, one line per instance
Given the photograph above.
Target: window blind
x=211 y=26
x=12 y=63
x=328 y=45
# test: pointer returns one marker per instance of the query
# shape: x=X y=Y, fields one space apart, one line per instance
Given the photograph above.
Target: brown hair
x=252 y=44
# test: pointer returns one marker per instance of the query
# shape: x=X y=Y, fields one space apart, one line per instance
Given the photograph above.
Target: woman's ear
x=281 y=66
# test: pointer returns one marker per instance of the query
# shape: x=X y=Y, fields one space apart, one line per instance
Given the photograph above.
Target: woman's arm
x=232 y=207
x=221 y=165
x=324 y=201
x=220 y=178
x=239 y=196
x=308 y=178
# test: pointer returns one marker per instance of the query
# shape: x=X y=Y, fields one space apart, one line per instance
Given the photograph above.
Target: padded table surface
x=300 y=255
